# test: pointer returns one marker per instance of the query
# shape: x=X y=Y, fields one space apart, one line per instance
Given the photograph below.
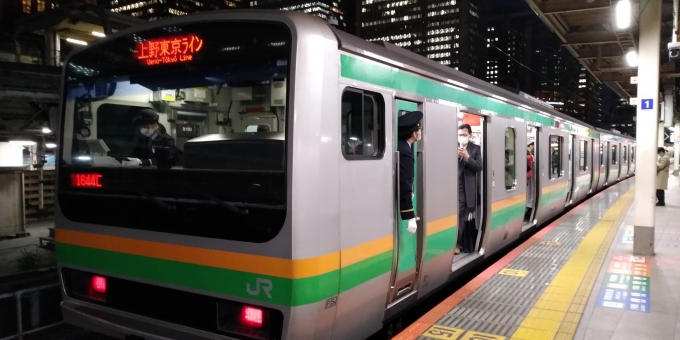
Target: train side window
x=583 y=164
x=510 y=166
x=556 y=143
x=362 y=125
x=601 y=156
x=625 y=154
x=614 y=158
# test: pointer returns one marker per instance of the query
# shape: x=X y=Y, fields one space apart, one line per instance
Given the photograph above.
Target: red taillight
x=98 y=284
x=251 y=316
x=86 y=180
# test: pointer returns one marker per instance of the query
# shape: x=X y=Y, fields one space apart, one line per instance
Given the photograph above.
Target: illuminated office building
x=158 y=9
x=340 y=13
x=451 y=32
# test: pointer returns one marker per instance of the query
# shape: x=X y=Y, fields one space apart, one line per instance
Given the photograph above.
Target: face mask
x=146 y=132
x=419 y=136
x=463 y=140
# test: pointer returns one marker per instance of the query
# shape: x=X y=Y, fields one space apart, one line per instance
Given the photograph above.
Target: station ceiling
x=587 y=29
x=28 y=91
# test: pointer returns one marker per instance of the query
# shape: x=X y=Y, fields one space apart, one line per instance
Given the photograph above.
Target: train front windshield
x=180 y=130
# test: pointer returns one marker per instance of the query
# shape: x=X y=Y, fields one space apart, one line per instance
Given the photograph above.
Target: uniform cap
x=145 y=116
x=410 y=122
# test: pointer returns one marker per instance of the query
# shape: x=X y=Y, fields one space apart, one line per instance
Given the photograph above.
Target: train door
x=440 y=195
x=601 y=165
x=532 y=178
x=570 y=172
x=613 y=163
x=476 y=233
x=406 y=246
x=507 y=163
x=624 y=162
x=632 y=160
x=593 y=166
x=608 y=163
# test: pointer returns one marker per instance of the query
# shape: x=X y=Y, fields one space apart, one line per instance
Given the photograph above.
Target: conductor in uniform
x=410 y=130
x=154 y=146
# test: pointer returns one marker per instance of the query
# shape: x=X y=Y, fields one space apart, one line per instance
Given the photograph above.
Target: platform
x=574 y=279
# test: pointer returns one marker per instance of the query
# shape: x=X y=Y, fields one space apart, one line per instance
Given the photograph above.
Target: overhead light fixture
x=46 y=130
x=22 y=142
x=50 y=145
x=98 y=34
x=632 y=58
x=623 y=14
x=76 y=41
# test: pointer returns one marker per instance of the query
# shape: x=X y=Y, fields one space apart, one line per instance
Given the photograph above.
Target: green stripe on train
x=382 y=75
x=507 y=215
x=440 y=243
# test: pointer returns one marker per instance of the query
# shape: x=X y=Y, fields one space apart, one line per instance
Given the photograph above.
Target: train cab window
x=615 y=159
x=601 y=156
x=165 y=135
x=556 y=143
x=362 y=118
x=510 y=167
x=583 y=164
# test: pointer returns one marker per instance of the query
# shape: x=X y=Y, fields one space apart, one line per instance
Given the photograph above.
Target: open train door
x=407 y=247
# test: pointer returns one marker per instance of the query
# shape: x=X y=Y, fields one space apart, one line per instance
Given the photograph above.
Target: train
x=280 y=219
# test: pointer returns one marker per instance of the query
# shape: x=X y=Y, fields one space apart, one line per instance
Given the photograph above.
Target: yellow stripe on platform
x=558 y=311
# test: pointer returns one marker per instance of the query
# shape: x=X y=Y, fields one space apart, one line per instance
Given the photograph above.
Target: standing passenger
x=662 y=166
x=469 y=166
x=410 y=131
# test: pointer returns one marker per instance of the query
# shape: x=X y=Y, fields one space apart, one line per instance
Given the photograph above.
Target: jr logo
x=265 y=284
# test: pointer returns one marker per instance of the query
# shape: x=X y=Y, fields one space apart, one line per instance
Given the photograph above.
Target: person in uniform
x=154 y=147
x=410 y=130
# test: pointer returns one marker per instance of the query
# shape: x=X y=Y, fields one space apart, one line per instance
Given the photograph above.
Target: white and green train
x=279 y=220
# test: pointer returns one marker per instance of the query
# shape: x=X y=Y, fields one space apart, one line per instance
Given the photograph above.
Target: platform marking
x=450 y=333
x=626 y=282
x=430 y=318
x=427 y=320
x=552 y=243
x=513 y=272
x=558 y=311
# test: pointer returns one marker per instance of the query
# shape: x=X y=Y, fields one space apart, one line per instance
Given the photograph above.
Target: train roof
x=419 y=63
x=609 y=132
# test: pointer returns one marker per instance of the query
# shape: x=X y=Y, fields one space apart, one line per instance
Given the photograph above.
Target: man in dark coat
x=469 y=168
x=154 y=146
x=410 y=131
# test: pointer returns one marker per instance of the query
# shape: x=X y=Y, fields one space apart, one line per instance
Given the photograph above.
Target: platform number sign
x=647 y=104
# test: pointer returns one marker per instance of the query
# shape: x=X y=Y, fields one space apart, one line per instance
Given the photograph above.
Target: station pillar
x=646 y=127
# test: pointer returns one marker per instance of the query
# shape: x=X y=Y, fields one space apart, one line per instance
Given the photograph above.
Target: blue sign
x=636 y=301
x=647 y=104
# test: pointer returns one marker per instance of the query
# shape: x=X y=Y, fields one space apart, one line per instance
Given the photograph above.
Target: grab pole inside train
x=647 y=126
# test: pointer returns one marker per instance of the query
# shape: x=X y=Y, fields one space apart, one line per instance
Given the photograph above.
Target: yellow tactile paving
x=558 y=311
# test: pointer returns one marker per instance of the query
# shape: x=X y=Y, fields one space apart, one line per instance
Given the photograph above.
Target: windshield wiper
x=227 y=205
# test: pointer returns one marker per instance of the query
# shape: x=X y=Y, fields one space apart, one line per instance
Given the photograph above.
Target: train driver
x=410 y=130
x=154 y=147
